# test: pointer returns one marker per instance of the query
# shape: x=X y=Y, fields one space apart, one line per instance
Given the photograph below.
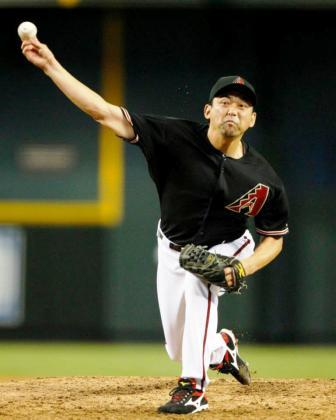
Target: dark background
x=99 y=283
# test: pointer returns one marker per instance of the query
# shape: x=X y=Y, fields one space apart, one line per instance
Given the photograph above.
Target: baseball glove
x=210 y=267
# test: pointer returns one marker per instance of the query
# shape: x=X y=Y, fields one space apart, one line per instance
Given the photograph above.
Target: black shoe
x=232 y=362
x=186 y=399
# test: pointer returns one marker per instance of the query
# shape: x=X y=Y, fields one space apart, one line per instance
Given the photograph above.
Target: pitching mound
x=138 y=398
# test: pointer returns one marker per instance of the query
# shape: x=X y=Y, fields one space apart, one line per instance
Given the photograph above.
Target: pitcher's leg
x=170 y=290
x=199 y=329
x=224 y=355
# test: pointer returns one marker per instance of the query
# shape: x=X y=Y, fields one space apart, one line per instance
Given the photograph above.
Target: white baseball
x=27 y=30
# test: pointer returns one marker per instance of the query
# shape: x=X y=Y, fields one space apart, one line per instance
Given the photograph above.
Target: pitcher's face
x=231 y=115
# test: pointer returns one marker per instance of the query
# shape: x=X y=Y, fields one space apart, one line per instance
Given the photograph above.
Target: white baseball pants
x=188 y=308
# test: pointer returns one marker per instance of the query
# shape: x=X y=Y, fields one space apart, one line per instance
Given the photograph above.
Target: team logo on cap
x=239 y=80
x=251 y=202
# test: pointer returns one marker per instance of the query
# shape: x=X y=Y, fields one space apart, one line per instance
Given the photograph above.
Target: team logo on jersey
x=251 y=202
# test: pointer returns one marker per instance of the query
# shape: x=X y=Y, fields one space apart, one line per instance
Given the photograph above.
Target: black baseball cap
x=236 y=83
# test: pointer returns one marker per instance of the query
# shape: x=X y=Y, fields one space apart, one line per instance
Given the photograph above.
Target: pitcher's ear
x=206 y=111
x=253 y=119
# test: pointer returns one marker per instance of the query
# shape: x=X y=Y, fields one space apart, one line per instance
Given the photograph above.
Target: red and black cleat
x=232 y=363
x=185 y=398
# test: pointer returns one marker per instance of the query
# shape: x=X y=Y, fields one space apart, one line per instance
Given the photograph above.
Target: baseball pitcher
x=210 y=181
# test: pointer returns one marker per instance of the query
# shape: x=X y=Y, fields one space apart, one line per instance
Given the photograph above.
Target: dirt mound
x=138 y=398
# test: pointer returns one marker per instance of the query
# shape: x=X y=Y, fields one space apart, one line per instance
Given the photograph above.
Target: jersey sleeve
x=273 y=218
x=149 y=131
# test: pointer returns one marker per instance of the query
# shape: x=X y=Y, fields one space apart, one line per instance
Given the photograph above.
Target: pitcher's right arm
x=82 y=96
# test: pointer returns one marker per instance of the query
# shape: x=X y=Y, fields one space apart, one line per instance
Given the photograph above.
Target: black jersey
x=206 y=197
